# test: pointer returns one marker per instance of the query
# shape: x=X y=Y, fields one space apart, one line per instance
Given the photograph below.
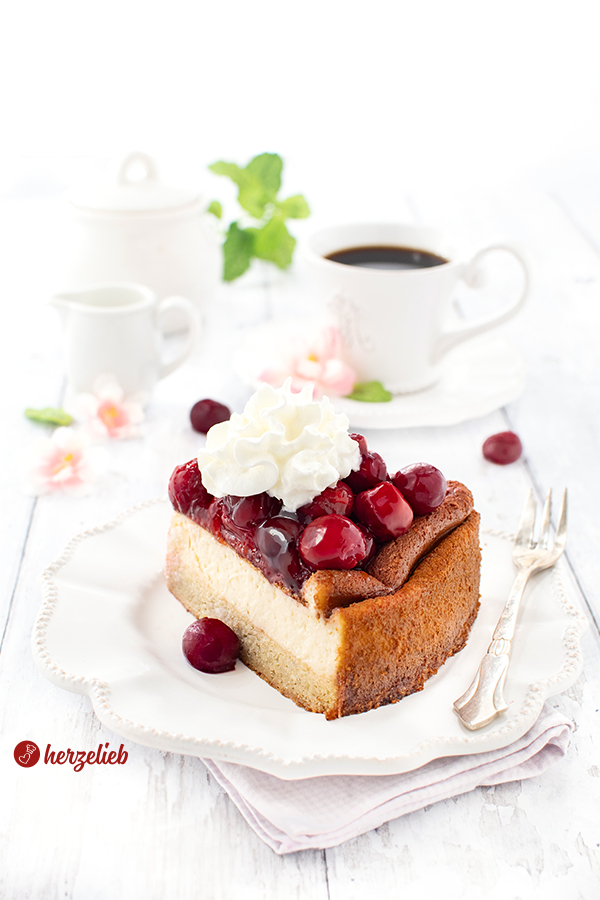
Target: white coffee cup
x=117 y=330
x=392 y=321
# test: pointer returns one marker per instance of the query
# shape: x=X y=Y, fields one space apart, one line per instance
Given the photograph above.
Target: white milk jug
x=117 y=330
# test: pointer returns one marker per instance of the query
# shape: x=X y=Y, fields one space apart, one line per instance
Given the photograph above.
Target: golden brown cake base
x=369 y=653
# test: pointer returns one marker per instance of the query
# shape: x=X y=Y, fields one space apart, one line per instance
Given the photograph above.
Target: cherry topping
x=333 y=542
x=372 y=470
x=206 y=413
x=248 y=511
x=276 y=539
x=213 y=517
x=422 y=485
x=337 y=499
x=503 y=448
x=187 y=493
x=371 y=545
x=384 y=510
x=210 y=646
x=361 y=441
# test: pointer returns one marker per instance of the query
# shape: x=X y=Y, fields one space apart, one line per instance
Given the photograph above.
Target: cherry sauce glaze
x=341 y=528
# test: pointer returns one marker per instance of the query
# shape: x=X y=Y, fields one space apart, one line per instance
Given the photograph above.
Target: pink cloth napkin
x=328 y=810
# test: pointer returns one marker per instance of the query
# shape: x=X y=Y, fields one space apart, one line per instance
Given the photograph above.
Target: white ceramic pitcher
x=117 y=329
x=140 y=229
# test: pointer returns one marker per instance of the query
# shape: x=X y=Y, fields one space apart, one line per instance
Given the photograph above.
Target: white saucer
x=477 y=378
x=109 y=628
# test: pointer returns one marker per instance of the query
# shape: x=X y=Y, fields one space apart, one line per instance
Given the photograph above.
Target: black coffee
x=384 y=257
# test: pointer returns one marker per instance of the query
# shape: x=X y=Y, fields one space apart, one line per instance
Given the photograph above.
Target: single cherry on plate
x=206 y=413
x=503 y=448
x=384 y=510
x=210 y=646
x=333 y=542
x=422 y=485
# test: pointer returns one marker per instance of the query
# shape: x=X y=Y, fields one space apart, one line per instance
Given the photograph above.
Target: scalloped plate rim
x=496 y=735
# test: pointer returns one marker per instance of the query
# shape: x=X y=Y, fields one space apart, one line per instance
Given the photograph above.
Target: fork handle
x=505 y=627
x=484 y=699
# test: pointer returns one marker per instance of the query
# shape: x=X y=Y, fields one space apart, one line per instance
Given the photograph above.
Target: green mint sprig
x=49 y=415
x=370 y=392
x=258 y=186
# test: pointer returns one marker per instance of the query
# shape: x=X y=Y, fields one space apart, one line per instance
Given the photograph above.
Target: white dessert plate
x=476 y=378
x=110 y=629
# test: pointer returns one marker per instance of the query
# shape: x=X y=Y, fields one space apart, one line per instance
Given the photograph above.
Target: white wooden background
x=160 y=827
x=476 y=116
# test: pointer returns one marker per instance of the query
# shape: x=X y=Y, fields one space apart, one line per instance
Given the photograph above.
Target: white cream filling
x=295 y=628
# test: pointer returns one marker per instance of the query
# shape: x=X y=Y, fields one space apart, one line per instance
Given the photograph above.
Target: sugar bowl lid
x=137 y=188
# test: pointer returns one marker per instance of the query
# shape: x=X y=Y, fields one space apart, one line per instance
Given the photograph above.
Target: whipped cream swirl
x=286 y=444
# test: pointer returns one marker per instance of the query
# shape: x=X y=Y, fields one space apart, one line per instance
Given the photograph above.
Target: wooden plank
x=159 y=827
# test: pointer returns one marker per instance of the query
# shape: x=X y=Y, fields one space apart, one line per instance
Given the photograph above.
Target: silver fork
x=484 y=700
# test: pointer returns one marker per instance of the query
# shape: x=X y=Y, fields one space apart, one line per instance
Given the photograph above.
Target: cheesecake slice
x=348 y=642
x=343 y=596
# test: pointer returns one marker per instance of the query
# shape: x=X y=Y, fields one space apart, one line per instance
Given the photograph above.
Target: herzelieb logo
x=27 y=754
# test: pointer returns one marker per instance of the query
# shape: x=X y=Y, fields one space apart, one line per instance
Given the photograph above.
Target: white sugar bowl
x=136 y=228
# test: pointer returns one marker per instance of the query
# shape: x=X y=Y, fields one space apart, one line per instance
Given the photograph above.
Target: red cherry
x=384 y=510
x=503 y=448
x=372 y=470
x=422 y=485
x=248 y=511
x=361 y=441
x=338 y=499
x=187 y=493
x=210 y=646
x=332 y=542
x=276 y=540
x=206 y=413
x=371 y=544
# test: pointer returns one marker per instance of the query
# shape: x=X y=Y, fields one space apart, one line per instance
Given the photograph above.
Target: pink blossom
x=318 y=362
x=61 y=463
x=107 y=411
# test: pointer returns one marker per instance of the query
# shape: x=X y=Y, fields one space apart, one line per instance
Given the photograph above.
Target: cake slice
x=337 y=641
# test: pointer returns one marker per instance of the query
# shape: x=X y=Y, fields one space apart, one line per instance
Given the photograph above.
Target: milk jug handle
x=187 y=308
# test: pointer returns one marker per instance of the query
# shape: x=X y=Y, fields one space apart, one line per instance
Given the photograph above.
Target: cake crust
x=392 y=644
x=343 y=652
x=395 y=561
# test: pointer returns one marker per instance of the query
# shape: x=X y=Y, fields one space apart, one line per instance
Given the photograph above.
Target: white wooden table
x=160 y=827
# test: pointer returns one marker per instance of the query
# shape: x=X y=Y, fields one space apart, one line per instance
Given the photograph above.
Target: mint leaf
x=229 y=169
x=370 y=392
x=258 y=185
x=237 y=252
x=49 y=415
x=252 y=197
x=274 y=243
x=251 y=194
x=294 y=207
x=266 y=169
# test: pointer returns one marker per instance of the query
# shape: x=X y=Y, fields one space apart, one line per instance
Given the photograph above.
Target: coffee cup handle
x=472 y=276
x=185 y=306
